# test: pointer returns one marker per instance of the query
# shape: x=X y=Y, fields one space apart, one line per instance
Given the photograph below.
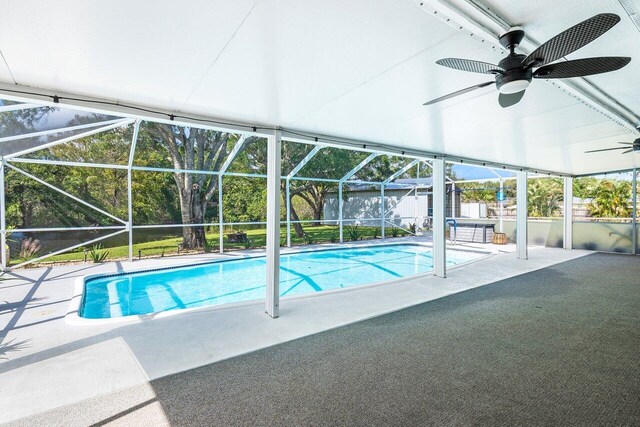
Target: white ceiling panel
x=293 y=58
x=350 y=68
x=153 y=52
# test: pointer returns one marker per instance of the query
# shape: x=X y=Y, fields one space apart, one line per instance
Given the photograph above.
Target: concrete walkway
x=48 y=363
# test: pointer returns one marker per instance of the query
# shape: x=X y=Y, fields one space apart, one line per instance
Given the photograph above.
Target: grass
x=169 y=246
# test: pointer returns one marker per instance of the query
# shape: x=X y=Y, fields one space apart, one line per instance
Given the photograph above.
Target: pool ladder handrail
x=453 y=239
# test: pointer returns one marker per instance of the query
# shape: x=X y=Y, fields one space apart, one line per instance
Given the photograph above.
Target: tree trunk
x=192 y=209
x=27 y=214
x=317 y=214
x=318 y=209
x=294 y=217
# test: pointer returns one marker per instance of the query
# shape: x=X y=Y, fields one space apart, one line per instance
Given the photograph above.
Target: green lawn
x=321 y=234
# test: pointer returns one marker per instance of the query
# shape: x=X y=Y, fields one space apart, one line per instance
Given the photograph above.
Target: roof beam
x=401 y=171
x=160 y=115
x=431 y=167
x=17 y=107
x=304 y=161
x=232 y=155
x=58 y=130
x=121 y=122
x=131 y=110
x=357 y=168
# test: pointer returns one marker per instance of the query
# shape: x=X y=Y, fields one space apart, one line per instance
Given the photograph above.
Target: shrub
x=412 y=228
x=248 y=243
x=97 y=255
x=376 y=232
x=395 y=231
x=333 y=237
x=354 y=233
x=29 y=248
x=209 y=247
x=309 y=239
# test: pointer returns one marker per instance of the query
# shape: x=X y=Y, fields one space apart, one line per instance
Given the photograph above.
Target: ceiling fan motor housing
x=515 y=78
x=512 y=38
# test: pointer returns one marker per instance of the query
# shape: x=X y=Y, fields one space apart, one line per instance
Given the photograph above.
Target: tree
x=611 y=200
x=584 y=187
x=544 y=196
x=193 y=149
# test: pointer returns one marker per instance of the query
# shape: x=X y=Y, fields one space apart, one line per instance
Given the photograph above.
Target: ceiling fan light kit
x=514 y=73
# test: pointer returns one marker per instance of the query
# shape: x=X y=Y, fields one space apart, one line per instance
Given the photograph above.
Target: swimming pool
x=237 y=280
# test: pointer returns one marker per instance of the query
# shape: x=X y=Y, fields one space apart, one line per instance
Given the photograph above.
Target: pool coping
x=73 y=317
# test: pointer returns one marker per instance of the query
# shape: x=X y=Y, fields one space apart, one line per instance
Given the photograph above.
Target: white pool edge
x=73 y=317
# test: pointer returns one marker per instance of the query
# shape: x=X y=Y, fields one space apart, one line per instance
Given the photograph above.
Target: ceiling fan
x=514 y=73
x=635 y=146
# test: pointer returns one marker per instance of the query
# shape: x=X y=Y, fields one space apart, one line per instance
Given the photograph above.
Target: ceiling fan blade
x=456 y=93
x=606 y=149
x=470 y=65
x=508 y=99
x=572 y=39
x=627 y=151
x=581 y=67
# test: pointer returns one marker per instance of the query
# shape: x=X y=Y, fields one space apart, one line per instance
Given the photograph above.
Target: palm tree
x=611 y=200
x=544 y=197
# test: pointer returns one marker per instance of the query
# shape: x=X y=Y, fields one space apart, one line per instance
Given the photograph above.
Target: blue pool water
x=244 y=279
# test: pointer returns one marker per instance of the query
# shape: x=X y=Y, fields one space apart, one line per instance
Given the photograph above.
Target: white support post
x=521 y=215
x=439 y=214
x=340 y=203
x=415 y=189
x=634 y=215
x=274 y=152
x=453 y=200
x=567 y=240
x=220 y=217
x=383 y=213
x=501 y=227
x=3 y=225
x=288 y=203
x=132 y=152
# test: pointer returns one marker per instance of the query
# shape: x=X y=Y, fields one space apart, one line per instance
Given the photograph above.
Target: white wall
x=473 y=210
x=401 y=206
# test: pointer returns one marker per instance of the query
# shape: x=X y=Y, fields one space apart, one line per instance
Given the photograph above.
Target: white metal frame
x=290 y=176
x=274 y=157
x=521 y=216
x=273 y=177
x=567 y=238
x=439 y=218
x=221 y=172
x=132 y=152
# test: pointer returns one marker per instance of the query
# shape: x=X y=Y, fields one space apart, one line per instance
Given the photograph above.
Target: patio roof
x=347 y=73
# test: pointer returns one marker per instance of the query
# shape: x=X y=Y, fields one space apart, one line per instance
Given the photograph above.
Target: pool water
x=245 y=279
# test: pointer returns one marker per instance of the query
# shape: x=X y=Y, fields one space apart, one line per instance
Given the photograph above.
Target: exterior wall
x=603 y=236
x=401 y=206
x=547 y=233
x=473 y=210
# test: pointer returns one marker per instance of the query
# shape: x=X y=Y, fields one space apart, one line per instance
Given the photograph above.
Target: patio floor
x=49 y=363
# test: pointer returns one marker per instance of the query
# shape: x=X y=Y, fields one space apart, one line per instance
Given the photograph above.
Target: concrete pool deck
x=47 y=363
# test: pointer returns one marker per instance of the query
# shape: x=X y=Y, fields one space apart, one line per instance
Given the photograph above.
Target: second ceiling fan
x=514 y=73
